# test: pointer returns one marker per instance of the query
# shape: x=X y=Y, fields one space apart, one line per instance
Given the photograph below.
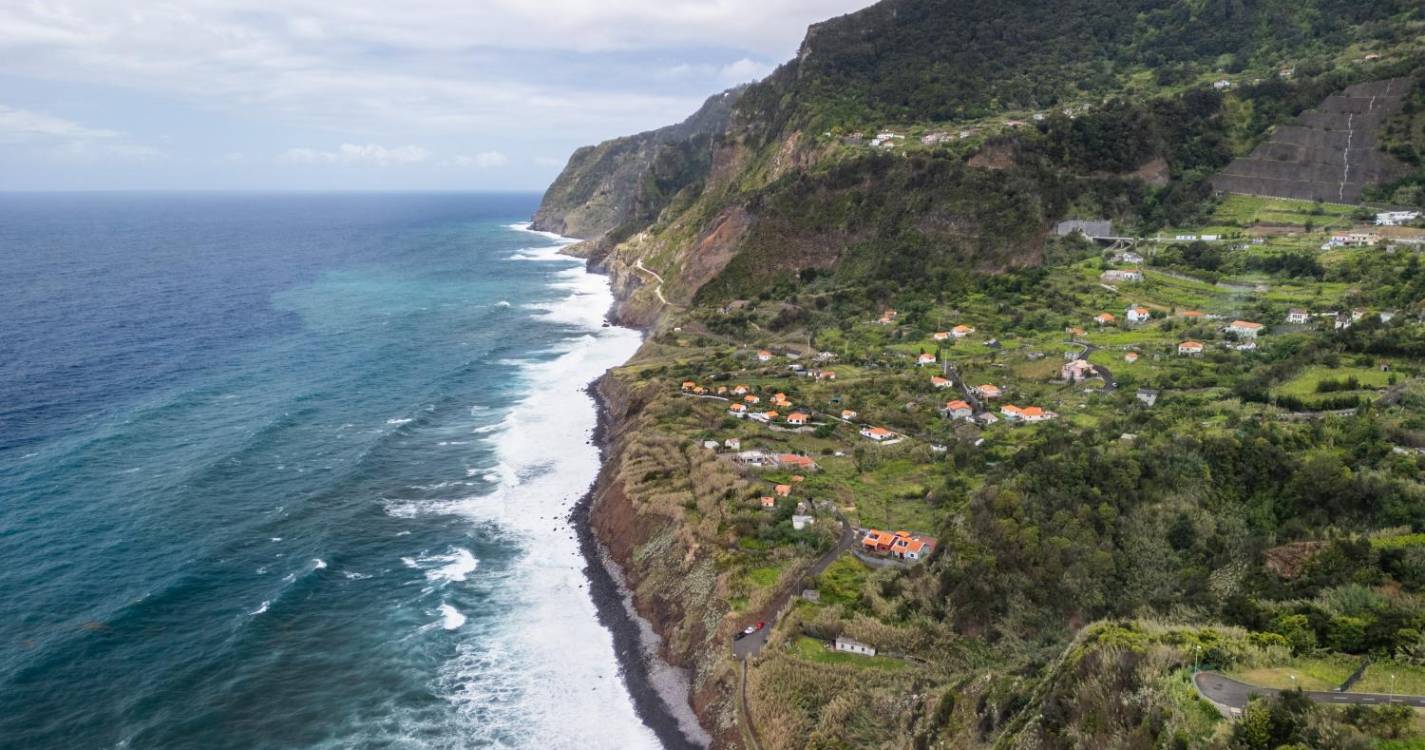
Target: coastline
x=652 y=701
x=660 y=692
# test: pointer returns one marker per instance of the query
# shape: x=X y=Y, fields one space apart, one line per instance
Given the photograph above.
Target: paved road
x=754 y=643
x=1232 y=693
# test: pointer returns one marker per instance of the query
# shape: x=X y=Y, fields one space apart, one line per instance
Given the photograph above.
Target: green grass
x=841 y=582
x=1311 y=673
x=810 y=649
x=764 y=576
x=1304 y=384
x=1398 y=541
x=1409 y=679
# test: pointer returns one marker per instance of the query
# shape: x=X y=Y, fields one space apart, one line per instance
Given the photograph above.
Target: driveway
x=1226 y=691
x=754 y=643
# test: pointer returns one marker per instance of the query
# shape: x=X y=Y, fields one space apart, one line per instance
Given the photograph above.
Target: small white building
x=1118 y=274
x=1396 y=218
x=711 y=445
x=801 y=522
x=1297 y=315
x=1245 y=328
x=854 y=647
x=1137 y=314
x=732 y=444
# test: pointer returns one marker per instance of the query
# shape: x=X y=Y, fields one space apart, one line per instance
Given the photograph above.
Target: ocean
x=294 y=471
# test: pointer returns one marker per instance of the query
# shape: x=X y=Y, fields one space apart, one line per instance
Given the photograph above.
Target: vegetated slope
x=1126 y=128
x=631 y=178
x=1330 y=153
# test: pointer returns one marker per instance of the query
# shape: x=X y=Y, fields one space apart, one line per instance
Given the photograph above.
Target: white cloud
x=745 y=70
x=482 y=160
x=369 y=154
x=24 y=124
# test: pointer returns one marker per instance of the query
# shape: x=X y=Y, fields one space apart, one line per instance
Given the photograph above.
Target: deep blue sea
x=292 y=471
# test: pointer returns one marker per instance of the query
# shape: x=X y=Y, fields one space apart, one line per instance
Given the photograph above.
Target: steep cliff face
x=632 y=178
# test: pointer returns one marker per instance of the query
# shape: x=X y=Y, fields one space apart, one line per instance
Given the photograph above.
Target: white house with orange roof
x=740 y=390
x=940 y=383
x=849 y=414
x=751 y=399
x=769 y=502
x=926 y=358
x=941 y=336
x=1245 y=328
x=796 y=461
x=887 y=317
x=764 y=356
x=1105 y=319
x=958 y=410
x=797 y=418
x=988 y=391
x=1130 y=357
x=783 y=490
x=1078 y=370
x=878 y=434
x=689 y=385
x=1190 y=348
x=1138 y=314
x=961 y=331
x=737 y=410
x=1026 y=413
x=825 y=375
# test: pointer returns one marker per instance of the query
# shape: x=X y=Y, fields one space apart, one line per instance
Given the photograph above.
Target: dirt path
x=658 y=288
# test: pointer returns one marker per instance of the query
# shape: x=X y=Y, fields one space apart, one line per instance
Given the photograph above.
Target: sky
x=360 y=94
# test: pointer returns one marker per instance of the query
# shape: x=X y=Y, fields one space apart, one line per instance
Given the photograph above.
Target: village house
x=1130 y=357
x=1104 y=319
x=909 y=547
x=1245 y=328
x=875 y=540
x=1147 y=396
x=1222 y=85
x=754 y=459
x=878 y=434
x=751 y=399
x=769 y=502
x=740 y=390
x=1352 y=239
x=987 y=391
x=854 y=647
x=941 y=336
x=935 y=138
x=1190 y=348
x=1357 y=313
x=986 y=418
x=722 y=390
x=732 y=444
x=1191 y=314
x=1075 y=331
x=737 y=410
x=848 y=414
x=1138 y=314
x=958 y=410
x=800 y=522
x=711 y=445
x=926 y=358
x=1128 y=256
x=1118 y=274
x=1026 y=414
x=1396 y=218
x=783 y=490
x=1077 y=371
x=825 y=375
x=797 y=418
x=939 y=382
x=764 y=356
x=689 y=385
x=796 y=462
x=1297 y=315
x=780 y=399
x=887 y=317
x=700 y=391
x=961 y=331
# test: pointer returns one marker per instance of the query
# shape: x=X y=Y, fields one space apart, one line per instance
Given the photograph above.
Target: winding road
x=1234 y=694
x=658 y=288
x=753 y=643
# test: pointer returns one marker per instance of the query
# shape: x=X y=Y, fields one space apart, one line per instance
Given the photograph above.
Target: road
x=658 y=288
x=754 y=643
x=1226 y=691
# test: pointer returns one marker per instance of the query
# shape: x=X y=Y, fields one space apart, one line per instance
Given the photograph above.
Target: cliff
x=631 y=178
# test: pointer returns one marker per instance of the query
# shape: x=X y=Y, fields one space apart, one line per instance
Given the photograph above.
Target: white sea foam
x=450 y=617
x=319 y=564
x=548 y=675
x=353 y=575
x=458 y=564
x=260 y=609
x=399 y=421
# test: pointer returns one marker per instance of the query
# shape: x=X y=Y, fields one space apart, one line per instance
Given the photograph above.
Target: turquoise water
x=292 y=471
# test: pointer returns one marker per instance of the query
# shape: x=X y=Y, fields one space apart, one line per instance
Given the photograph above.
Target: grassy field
x=1304 y=385
x=810 y=649
x=1247 y=210
x=1310 y=673
x=1408 y=679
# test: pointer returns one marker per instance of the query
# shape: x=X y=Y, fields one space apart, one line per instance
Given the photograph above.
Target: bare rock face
x=632 y=178
x=1330 y=153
